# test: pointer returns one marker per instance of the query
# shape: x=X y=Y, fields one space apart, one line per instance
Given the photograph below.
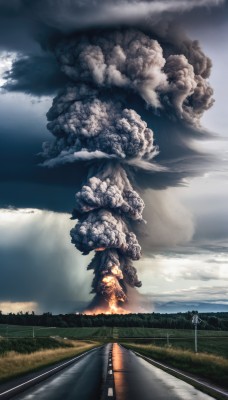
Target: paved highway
x=80 y=381
x=115 y=374
x=136 y=379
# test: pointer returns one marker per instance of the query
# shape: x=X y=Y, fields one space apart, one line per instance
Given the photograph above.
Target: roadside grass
x=203 y=365
x=28 y=345
x=14 y=364
x=217 y=346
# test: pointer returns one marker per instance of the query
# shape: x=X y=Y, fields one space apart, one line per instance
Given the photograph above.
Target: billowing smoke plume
x=94 y=118
x=82 y=122
x=131 y=60
x=103 y=230
x=109 y=192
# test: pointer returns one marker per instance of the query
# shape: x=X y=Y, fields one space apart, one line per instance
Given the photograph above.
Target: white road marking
x=45 y=373
x=110 y=392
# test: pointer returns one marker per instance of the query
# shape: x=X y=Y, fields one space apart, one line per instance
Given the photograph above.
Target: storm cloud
x=35 y=248
x=36 y=75
x=135 y=48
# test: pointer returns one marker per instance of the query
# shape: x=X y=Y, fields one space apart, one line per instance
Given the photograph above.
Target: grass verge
x=212 y=367
x=27 y=345
x=13 y=364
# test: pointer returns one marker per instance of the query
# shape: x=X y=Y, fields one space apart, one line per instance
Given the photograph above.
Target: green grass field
x=78 y=333
x=104 y=332
x=212 y=342
x=161 y=333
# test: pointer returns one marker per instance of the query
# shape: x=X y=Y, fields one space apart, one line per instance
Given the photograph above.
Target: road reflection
x=136 y=379
x=119 y=372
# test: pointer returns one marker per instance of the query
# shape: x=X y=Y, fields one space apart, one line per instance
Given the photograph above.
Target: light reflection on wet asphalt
x=135 y=379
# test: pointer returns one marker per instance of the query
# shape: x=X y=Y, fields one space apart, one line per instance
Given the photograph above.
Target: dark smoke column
x=91 y=120
x=103 y=207
x=87 y=124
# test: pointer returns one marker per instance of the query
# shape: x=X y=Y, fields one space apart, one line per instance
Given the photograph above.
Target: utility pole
x=196 y=320
x=168 y=339
x=33 y=332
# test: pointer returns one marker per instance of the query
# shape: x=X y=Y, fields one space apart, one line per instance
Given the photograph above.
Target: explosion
x=97 y=118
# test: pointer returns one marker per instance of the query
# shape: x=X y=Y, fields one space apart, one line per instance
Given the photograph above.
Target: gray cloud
x=197 y=294
x=123 y=11
x=77 y=15
x=38 y=262
x=215 y=261
x=34 y=74
x=184 y=306
x=169 y=223
x=204 y=275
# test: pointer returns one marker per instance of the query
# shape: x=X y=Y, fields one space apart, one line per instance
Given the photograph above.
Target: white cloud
x=6 y=61
x=192 y=277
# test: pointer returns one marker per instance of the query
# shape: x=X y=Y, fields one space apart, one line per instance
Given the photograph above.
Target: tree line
x=210 y=321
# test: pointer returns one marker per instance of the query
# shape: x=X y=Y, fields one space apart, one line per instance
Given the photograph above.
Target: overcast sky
x=185 y=246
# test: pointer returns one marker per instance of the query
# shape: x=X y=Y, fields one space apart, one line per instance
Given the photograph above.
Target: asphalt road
x=92 y=377
x=136 y=379
x=80 y=381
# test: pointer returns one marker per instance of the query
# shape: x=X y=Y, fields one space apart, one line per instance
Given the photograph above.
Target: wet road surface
x=80 y=381
x=136 y=379
x=91 y=377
